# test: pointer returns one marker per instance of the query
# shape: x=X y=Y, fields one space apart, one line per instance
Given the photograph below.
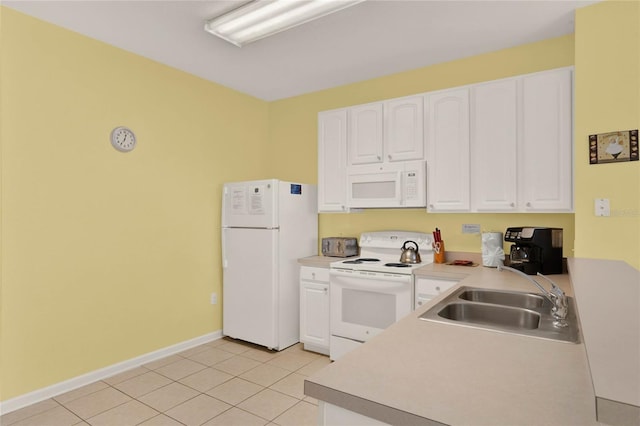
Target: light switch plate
x=602 y=207
x=470 y=228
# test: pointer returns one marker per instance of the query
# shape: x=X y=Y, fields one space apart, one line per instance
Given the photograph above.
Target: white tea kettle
x=410 y=254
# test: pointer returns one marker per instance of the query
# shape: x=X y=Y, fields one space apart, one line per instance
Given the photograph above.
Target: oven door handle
x=353 y=279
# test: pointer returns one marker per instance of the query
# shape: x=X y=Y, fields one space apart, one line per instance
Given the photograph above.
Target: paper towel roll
x=492 y=252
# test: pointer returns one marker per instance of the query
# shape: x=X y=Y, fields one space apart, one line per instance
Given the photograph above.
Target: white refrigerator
x=267 y=225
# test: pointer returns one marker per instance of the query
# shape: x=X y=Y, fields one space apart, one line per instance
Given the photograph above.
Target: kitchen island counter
x=423 y=372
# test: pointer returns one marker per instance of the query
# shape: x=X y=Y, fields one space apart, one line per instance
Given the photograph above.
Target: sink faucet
x=556 y=296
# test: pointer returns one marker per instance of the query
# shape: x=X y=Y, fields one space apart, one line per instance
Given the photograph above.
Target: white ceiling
x=369 y=40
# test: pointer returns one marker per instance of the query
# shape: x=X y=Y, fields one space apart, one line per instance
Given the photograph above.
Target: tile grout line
x=186 y=356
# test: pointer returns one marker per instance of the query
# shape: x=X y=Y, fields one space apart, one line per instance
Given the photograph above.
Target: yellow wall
x=293 y=128
x=105 y=255
x=607 y=83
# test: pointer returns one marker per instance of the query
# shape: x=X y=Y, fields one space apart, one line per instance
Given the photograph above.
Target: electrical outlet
x=602 y=207
x=214 y=299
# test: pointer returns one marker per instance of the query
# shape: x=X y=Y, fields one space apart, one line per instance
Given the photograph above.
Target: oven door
x=364 y=303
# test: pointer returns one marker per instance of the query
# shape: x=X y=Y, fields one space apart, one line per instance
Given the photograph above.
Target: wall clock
x=123 y=139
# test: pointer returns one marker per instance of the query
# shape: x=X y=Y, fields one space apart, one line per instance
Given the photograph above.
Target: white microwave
x=387 y=185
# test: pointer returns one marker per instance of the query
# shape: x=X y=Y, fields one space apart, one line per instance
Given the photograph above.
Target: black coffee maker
x=535 y=249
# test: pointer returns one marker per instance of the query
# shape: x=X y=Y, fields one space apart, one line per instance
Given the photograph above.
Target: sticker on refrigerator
x=238 y=201
x=256 y=200
x=296 y=189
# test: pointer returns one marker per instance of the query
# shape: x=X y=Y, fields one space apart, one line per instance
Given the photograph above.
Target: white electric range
x=370 y=292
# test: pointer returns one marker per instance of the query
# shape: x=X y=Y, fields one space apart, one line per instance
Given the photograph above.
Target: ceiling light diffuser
x=262 y=18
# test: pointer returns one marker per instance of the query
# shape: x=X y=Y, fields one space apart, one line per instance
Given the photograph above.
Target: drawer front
x=433 y=286
x=428 y=288
x=308 y=273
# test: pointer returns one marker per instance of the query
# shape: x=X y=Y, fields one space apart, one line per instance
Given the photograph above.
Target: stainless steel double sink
x=526 y=314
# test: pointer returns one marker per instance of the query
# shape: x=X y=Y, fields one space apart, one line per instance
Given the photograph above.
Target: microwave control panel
x=411 y=187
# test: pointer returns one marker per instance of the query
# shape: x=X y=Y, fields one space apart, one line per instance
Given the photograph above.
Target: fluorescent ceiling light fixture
x=262 y=18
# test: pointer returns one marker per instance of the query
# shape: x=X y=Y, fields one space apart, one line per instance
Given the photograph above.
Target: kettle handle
x=404 y=246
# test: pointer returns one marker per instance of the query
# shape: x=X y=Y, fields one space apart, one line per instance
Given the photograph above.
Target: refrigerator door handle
x=224 y=248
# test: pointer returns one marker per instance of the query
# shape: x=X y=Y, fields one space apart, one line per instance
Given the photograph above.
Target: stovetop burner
x=361 y=260
x=380 y=253
x=398 y=265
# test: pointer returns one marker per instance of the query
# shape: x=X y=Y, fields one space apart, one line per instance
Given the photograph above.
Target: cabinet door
x=332 y=161
x=314 y=314
x=365 y=134
x=428 y=288
x=545 y=167
x=448 y=150
x=494 y=139
x=403 y=129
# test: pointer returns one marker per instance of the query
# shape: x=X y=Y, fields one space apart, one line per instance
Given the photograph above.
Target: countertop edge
x=617 y=413
x=613 y=358
x=365 y=407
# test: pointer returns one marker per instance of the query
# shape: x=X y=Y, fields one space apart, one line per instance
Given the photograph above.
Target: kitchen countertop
x=421 y=372
x=608 y=295
x=318 y=261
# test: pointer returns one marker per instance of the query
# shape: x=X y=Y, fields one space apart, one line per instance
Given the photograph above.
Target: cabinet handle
x=313 y=275
x=528 y=204
x=326 y=290
x=512 y=204
x=389 y=156
x=430 y=206
x=379 y=158
x=438 y=288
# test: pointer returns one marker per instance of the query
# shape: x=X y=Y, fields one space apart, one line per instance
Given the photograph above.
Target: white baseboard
x=85 y=379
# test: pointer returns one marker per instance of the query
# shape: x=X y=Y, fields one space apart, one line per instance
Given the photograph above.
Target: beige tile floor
x=224 y=382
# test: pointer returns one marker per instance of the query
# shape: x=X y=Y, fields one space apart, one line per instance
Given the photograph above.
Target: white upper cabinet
x=494 y=140
x=499 y=146
x=365 y=134
x=332 y=161
x=546 y=154
x=386 y=131
x=403 y=129
x=447 y=127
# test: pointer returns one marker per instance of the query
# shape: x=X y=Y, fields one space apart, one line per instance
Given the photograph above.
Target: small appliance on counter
x=492 y=251
x=339 y=247
x=410 y=254
x=535 y=249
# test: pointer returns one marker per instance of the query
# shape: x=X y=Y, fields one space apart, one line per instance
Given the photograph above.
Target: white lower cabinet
x=332 y=415
x=314 y=309
x=426 y=288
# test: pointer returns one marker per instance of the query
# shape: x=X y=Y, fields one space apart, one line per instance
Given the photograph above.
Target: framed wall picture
x=613 y=147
